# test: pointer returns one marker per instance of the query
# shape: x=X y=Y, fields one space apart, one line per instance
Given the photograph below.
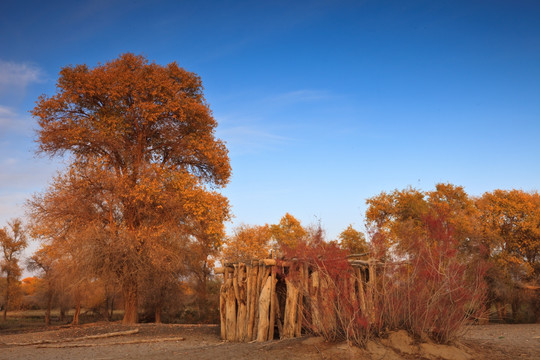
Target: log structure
x=258 y=302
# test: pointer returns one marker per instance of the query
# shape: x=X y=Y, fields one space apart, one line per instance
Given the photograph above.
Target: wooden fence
x=258 y=301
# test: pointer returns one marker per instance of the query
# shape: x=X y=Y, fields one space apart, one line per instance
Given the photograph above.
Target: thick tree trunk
x=130 y=303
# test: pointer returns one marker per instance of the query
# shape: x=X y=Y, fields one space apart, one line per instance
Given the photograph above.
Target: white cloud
x=244 y=139
x=11 y=122
x=18 y=75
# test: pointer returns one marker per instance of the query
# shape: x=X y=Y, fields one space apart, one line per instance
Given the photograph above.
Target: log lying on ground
x=88 y=337
x=140 y=341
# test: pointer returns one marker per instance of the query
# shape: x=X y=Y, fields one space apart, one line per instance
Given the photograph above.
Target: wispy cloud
x=18 y=75
x=11 y=122
x=299 y=96
x=243 y=139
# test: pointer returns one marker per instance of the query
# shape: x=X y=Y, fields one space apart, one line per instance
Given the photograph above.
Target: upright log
x=230 y=311
x=303 y=276
x=223 y=307
x=361 y=291
x=314 y=296
x=241 y=320
x=371 y=291
x=264 y=311
x=291 y=309
x=252 y=298
x=272 y=320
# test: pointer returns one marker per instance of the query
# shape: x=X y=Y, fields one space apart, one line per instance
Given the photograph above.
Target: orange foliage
x=248 y=243
x=140 y=186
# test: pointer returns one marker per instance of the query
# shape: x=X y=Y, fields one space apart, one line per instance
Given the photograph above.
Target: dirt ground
x=150 y=341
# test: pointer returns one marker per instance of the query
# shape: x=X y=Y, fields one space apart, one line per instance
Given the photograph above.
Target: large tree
x=144 y=170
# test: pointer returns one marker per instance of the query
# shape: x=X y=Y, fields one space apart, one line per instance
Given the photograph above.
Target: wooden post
x=223 y=307
x=230 y=317
x=241 y=320
x=314 y=295
x=291 y=309
x=278 y=316
x=371 y=291
x=272 y=304
x=264 y=311
x=303 y=288
x=361 y=291
x=252 y=298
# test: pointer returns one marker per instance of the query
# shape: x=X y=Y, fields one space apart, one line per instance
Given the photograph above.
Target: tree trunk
x=62 y=314
x=7 y=296
x=130 y=303
x=76 y=313
x=48 y=311
x=158 y=314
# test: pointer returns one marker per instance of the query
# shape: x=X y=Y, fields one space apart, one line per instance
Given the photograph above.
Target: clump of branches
x=431 y=290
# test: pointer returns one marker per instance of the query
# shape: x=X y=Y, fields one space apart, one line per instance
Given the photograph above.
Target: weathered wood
x=264 y=311
x=371 y=290
x=230 y=311
x=328 y=317
x=252 y=298
x=241 y=320
x=291 y=309
x=278 y=316
x=303 y=275
x=314 y=297
x=249 y=290
x=222 y=311
x=251 y=308
x=272 y=305
x=269 y=262
x=361 y=291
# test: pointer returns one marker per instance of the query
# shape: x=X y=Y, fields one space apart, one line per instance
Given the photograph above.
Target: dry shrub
x=433 y=291
x=331 y=308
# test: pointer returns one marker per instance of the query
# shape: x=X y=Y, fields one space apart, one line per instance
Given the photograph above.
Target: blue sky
x=323 y=104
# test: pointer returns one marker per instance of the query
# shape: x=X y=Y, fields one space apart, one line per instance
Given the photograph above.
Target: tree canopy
x=144 y=170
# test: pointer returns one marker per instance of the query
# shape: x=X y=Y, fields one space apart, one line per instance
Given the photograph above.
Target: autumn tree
x=43 y=262
x=289 y=232
x=145 y=167
x=248 y=242
x=511 y=226
x=12 y=243
x=353 y=240
x=397 y=217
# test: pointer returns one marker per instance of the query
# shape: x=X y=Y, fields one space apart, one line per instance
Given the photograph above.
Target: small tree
x=289 y=232
x=12 y=243
x=353 y=240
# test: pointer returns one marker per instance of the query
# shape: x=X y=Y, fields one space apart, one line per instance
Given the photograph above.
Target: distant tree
x=353 y=240
x=248 y=242
x=288 y=232
x=43 y=261
x=12 y=243
x=510 y=221
x=396 y=218
x=145 y=166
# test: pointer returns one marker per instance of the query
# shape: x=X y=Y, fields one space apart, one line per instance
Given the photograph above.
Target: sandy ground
x=202 y=342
